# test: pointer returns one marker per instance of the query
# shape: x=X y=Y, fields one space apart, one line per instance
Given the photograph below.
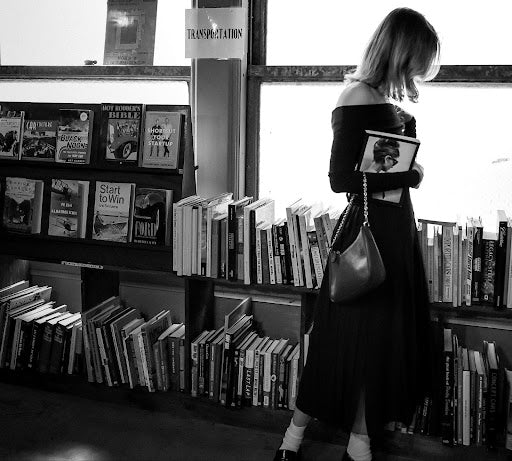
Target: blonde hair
x=404 y=48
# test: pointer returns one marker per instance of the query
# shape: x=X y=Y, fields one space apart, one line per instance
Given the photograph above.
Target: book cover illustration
x=387 y=152
x=74 y=135
x=23 y=200
x=120 y=131
x=130 y=32
x=162 y=135
x=11 y=127
x=112 y=207
x=39 y=140
x=151 y=216
x=68 y=208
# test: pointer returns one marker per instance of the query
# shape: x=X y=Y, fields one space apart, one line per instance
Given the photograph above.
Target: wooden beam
x=95 y=72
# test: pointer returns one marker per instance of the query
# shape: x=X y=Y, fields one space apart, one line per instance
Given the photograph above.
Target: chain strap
x=349 y=206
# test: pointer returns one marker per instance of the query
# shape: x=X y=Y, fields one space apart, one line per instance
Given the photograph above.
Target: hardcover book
x=23 y=201
x=74 y=136
x=68 y=208
x=162 y=136
x=387 y=152
x=11 y=128
x=120 y=130
x=152 y=216
x=39 y=140
x=112 y=211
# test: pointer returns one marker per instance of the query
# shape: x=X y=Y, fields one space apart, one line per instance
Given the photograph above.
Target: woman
x=369 y=360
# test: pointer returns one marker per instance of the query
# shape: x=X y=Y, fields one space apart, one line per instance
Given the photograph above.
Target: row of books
x=37 y=334
x=242 y=240
x=123 y=212
x=468 y=264
x=236 y=366
x=130 y=133
x=476 y=394
x=424 y=420
x=119 y=345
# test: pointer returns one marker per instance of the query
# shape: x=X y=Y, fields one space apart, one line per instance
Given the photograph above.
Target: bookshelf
x=101 y=263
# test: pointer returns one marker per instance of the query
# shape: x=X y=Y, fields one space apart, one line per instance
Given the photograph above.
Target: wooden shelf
x=473 y=312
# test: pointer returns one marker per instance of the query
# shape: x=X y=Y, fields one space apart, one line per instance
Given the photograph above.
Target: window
x=462 y=117
x=67 y=32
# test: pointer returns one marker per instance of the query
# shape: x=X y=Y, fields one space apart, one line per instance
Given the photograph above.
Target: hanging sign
x=215 y=33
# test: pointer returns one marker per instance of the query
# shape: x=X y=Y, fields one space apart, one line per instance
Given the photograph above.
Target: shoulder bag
x=358 y=269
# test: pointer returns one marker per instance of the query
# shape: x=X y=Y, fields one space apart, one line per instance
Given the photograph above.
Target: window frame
x=259 y=73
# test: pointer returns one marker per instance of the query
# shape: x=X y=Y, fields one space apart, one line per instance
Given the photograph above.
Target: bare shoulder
x=358 y=93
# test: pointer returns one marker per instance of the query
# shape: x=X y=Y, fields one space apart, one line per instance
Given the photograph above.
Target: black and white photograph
x=257 y=230
x=387 y=153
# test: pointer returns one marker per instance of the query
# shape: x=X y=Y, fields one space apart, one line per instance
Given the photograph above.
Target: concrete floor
x=37 y=425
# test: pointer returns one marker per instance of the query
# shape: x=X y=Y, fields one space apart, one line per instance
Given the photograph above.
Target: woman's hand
x=416 y=166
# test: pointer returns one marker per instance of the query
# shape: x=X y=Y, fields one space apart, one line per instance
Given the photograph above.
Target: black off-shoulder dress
x=380 y=344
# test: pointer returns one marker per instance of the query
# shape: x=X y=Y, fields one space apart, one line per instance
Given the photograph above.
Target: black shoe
x=287 y=455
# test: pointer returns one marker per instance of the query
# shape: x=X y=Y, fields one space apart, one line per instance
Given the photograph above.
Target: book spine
x=487 y=286
x=194 y=368
x=271 y=260
x=447 y=266
x=232 y=243
x=469 y=266
x=54 y=363
x=501 y=255
x=492 y=408
x=277 y=256
x=447 y=419
x=240 y=248
x=477 y=264
x=46 y=347
x=241 y=378
x=174 y=368
x=274 y=375
x=292 y=386
x=258 y=257
x=248 y=377
x=158 y=358
x=256 y=378
x=103 y=356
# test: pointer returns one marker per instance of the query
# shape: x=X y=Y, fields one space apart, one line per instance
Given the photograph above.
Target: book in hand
x=68 y=208
x=120 y=130
x=39 y=140
x=388 y=153
x=11 y=128
x=162 y=136
x=113 y=206
x=23 y=201
x=152 y=216
x=74 y=136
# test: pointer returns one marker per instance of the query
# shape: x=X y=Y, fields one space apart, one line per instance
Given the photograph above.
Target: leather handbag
x=359 y=268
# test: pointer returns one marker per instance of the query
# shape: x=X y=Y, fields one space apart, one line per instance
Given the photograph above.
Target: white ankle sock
x=359 y=447
x=293 y=437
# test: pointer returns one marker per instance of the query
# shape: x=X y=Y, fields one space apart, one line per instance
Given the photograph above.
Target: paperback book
x=120 y=131
x=23 y=201
x=162 y=135
x=112 y=211
x=74 y=136
x=11 y=128
x=151 y=216
x=39 y=140
x=68 y=208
